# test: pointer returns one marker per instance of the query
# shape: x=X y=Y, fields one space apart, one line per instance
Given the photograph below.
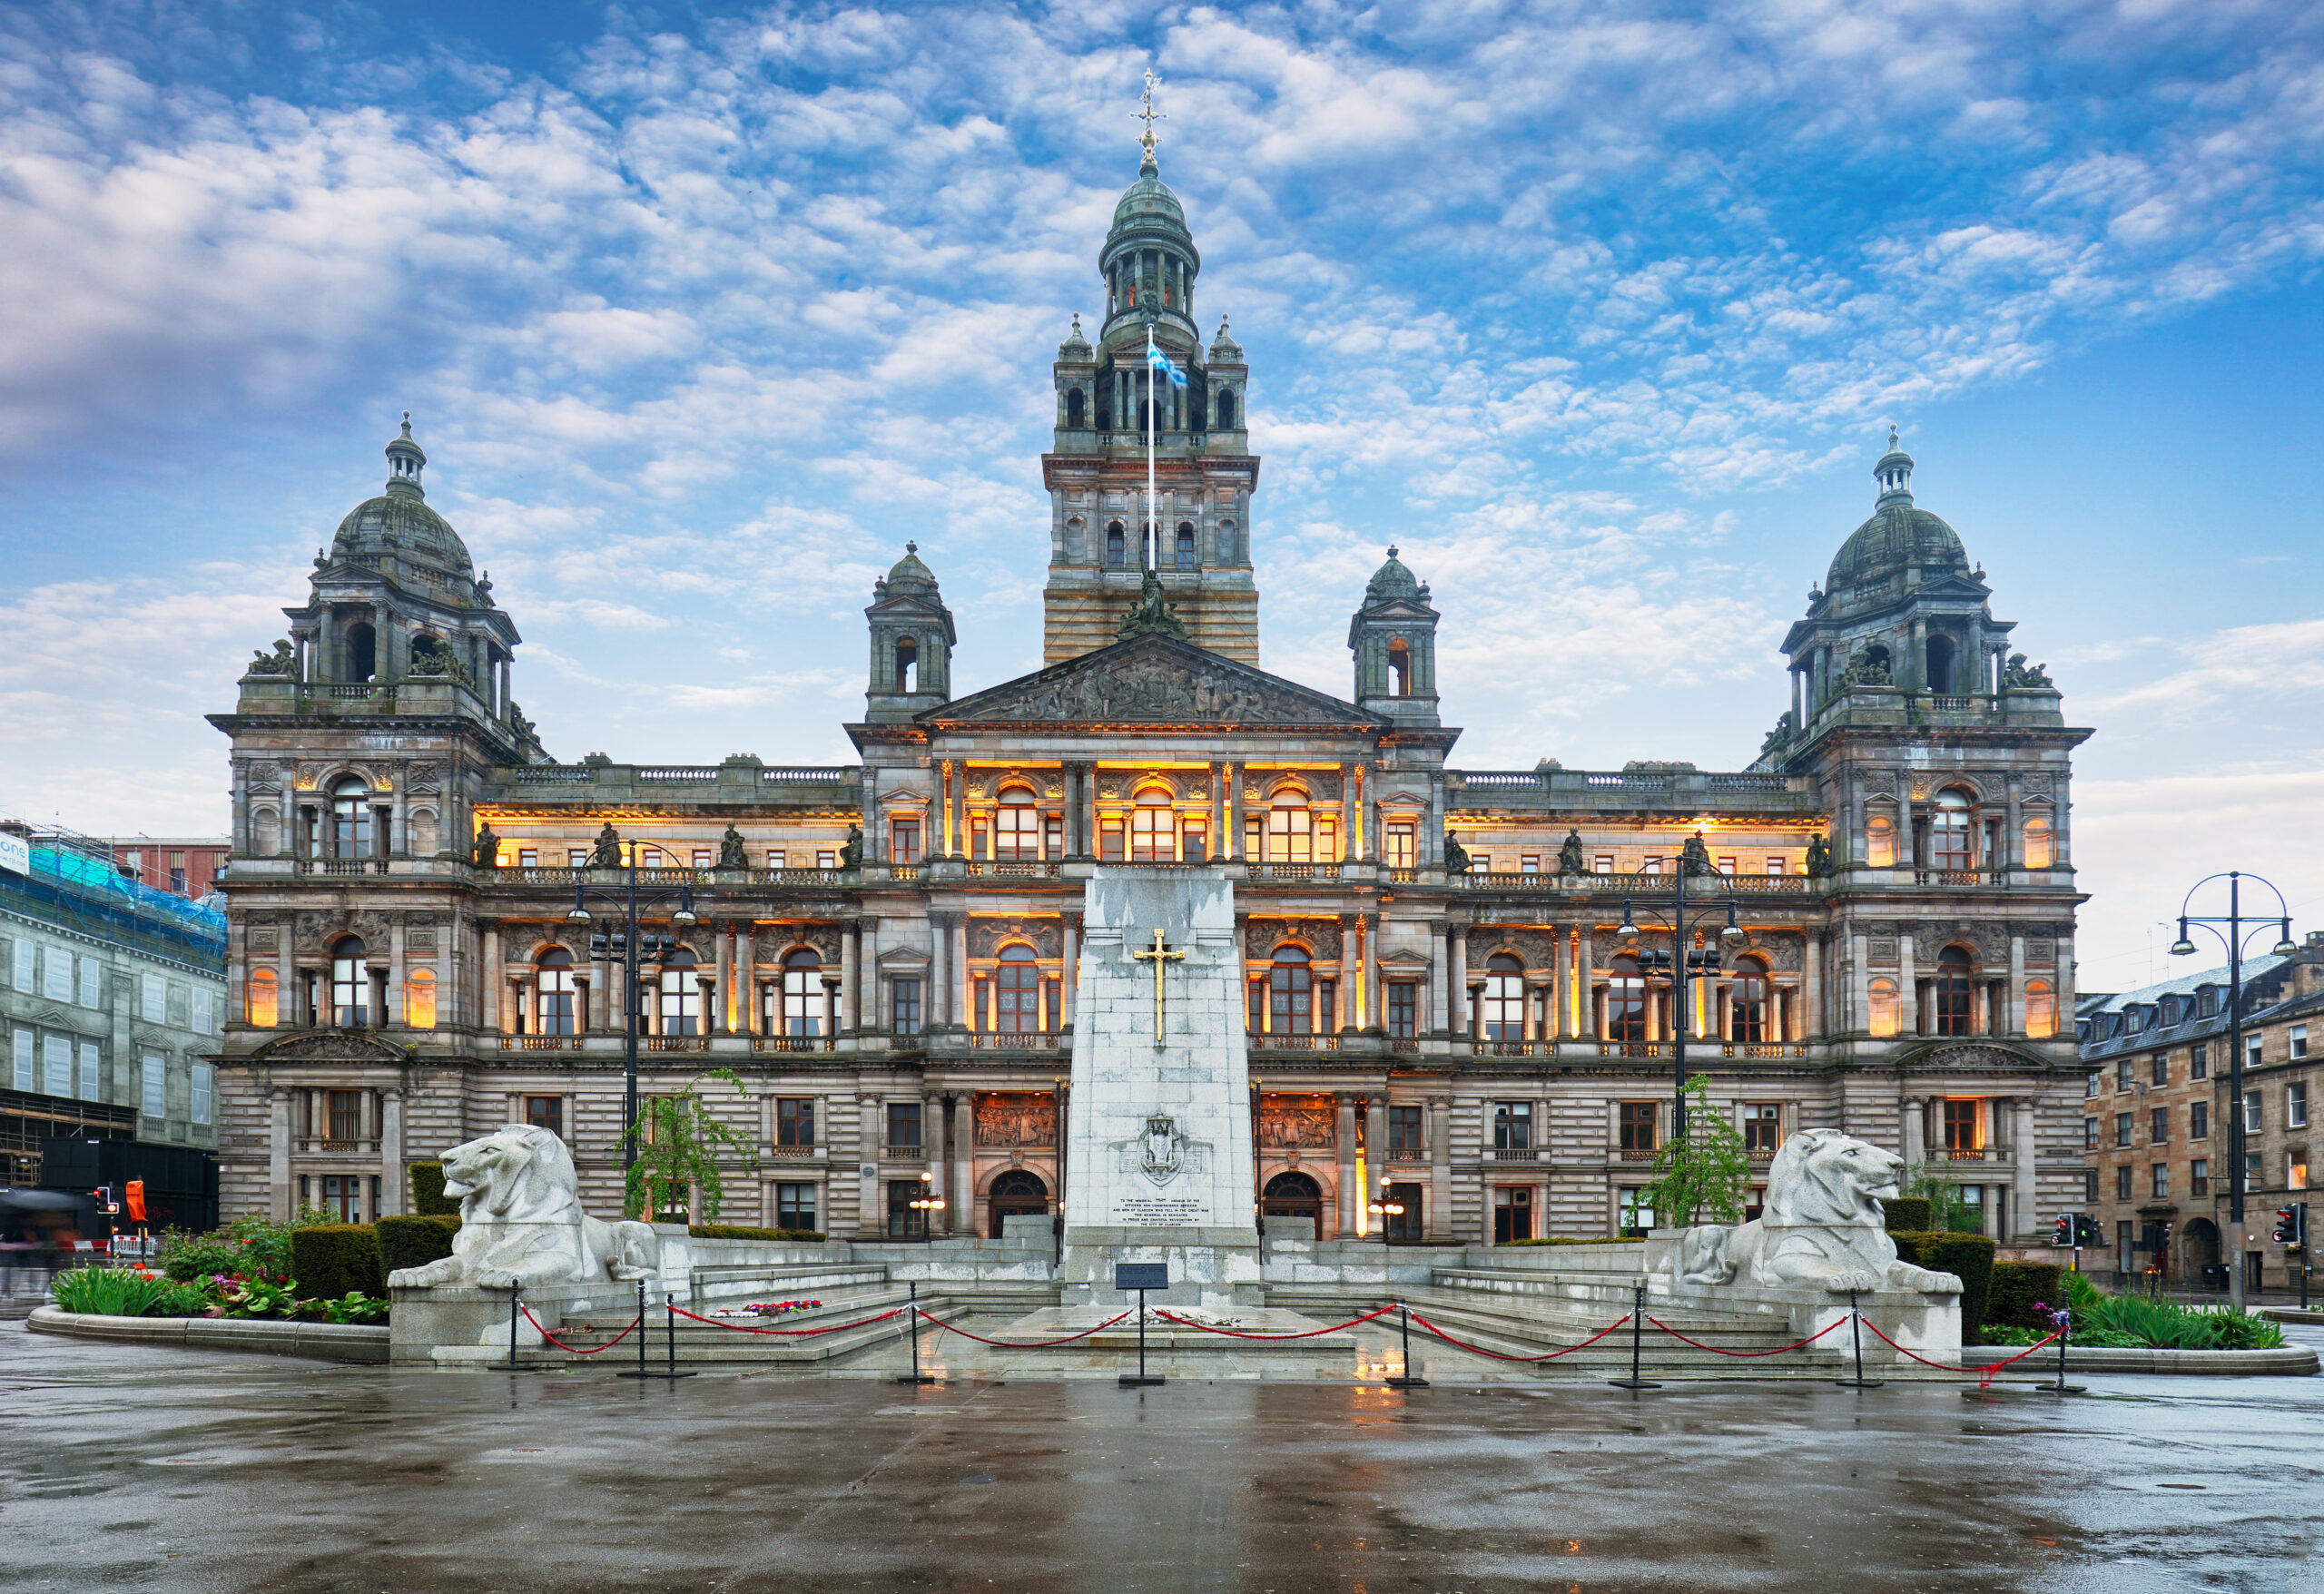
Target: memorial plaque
x=1141 y=1276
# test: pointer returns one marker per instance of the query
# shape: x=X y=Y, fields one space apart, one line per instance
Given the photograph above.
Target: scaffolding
x=76 y=873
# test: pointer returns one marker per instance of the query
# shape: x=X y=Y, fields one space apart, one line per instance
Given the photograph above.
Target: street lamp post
x=632 y=1015
x=2228 y=929
x=929 y=1204
x=1685 y=965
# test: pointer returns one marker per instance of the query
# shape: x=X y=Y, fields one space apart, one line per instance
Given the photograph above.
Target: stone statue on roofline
x=1819 y=856
x=283 y=661
x=1775 y=738
x=2019 y=674
x=850 y=852
x=1456 y=856
x=487 y=847
x=731 y=854
x=1694 y=857
x=606 y=853
x=1570 y=858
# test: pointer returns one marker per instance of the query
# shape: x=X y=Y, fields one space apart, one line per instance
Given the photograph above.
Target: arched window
x=1883 y=993
x=262 y=1005
x=907 y=661
x=1625 y=1000
x=1185 y=544
x=1016 y=826
x=1748 y=1002
x=350 y=984
x=1076 y=407
x=1150 y=823
x=1951 y=844
x=557 y=1001
x=419 y=1000
x=1880 y=839
x=1115 y=549
x=1504 y=998
x=2040 y=1009
x=362 y=651
x=1296 y=1198
x=803 y=992
x=1017 y=992
x=1940 y=663
x=350 y=818
x=1952 y=991
x=1226 y=410
x=1290 y=830
x=1017 y=1192
x=2038 y=851
x=1291 y=993
x=1400 y=668
x=681 y=995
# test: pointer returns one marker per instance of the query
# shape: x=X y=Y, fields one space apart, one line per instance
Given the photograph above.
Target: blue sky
x=1600 y=311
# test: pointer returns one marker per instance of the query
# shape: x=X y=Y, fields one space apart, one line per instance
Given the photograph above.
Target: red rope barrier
x=1012 y=1344
x=1715 y=1351
x=576 y=1350
x=1232 y=1334
x=1496 y=1355
x=1983 y=1372
x=829 y=1328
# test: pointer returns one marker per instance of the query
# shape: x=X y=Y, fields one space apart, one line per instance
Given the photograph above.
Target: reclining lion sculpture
x=1821 y=1228
x=521 y=1220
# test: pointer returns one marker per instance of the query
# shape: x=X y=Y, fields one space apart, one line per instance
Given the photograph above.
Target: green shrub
x=332 y=1260
x=428 y=1197
x=108 y=1292
x=1907 y=1213
x=1970 y=1256
x=414 y=1242
x=351 y=1308
x=191 y=1257
x=2016 y=1288
x=266 y=1245
x=2138 y=1321
x=181 y=1300
x=721 y=1231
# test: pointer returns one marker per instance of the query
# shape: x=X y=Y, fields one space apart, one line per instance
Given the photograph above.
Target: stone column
x=1456 y=955
x=968 y=1221
x=281 y=1201
x=1374 y=1016
x=1438 y=1217
x=871 y=1211
x=936 y=1012
x=1349 y=847
x=851 y=967
x=1909 y=998
x=493 y=974
x=1233 y=848
x=2024 y=1198
x=392 y=1177
x=2013 y=998
x=1811 y=988
x=1914 y=1150
x=1561 y=1026
x=395 y=1013
x=1068 y=966
x=1349 y=1199
x=1351 y=970
x=962 y=990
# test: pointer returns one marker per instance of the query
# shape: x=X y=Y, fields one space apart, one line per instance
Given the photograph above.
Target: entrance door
x=2202 y=1243
x=1406 y=1227
x=1296 y=1197
x=1512 y=1214
x=1016 y=1194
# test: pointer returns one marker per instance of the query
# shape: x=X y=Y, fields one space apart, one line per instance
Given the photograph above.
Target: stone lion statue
x=1821 y=1227
x=521 y=1220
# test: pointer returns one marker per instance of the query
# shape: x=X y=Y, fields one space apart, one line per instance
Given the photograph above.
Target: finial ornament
x=911 y=547
x=1149 y=116
x=1892 y=440
x=1392 y=550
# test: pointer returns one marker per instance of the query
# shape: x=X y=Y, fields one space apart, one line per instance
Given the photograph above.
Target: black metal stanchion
x=1407 y=1381
x=1637 y=1329
x=1141 y=1381
x=513 y=1365
x=1855 y=1332
x=641 y=1372
x=669 y=1337
x=911 y=1327
x=2059 y=1385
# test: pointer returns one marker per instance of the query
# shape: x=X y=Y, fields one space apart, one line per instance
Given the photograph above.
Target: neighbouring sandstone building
x=1460 y=982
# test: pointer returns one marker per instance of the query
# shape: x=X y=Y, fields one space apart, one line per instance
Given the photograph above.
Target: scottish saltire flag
x=1161 y=362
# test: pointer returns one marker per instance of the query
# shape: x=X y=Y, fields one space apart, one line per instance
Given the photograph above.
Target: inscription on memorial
x=1168 y=1212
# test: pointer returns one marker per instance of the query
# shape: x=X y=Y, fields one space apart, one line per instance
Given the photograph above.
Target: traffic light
x=2086 y=1230
x=2062 y=1231
x=2291 y=1226
x=105 y=1202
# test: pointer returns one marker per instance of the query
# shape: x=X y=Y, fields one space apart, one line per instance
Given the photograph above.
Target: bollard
x=2059 y=1385
x=1856 y=1331
x=1407 y=1381
x=911 y=1327
x=1638 y=1329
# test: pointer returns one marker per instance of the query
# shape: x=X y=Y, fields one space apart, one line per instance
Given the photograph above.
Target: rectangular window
x=1254 y=1017
x=2122 y=1129
x=1405 y=1131
x=1403 y=1008
x=343 y=1198
x=701 y=856
x=2160 y=1066
x=154 y=999
x=2090 y=1185
x=903 y=1125
x=153 y=1078
x=2199 y=1064
x=89 y=1088
x=1637 y=1217
x=2250 y=1170
x=1513 y=1126
x=1603 y=863
x=1531 y=863
x=26 y=979
x=1776 y=866
x=794 y=1120
x=2157 y=1128
x=2296 y=1040
x=2160 y=1180
x=795 y=1207
x=1727 y=866
x=2123 y=1182
x=1762 y=1127
x=1110 y=840
x=2252 y=1117
x=529 y=858
x=1961 y=1125
x=1512 y=1215
x=2122 y=1079
x=2091 y=1084
x=21 y=1051
x=345 y=1108
x=1401 y=848
x=92 y=983
x=904 y=1221
x=1195 y=842
x=904 y=1000
x=202 y=1010
x=2296 y=1106
x=2090 y=1134
x=57 y=975
x=576 y=858
x=1636 y=1122
x=2199 y=1120
x=2251 y=1049
x=2122 y=1247
x=774 y=857
x=2296 y=1172
x=2198 y=1177
x=204 y=1102
x=904 y=841
x=826 y=860
x=1480 y=863
x=545 y=1112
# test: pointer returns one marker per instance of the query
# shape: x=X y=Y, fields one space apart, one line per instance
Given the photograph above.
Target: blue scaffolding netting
x=79 y=879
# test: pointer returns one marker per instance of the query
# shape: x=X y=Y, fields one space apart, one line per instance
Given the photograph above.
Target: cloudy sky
x=1600 y=310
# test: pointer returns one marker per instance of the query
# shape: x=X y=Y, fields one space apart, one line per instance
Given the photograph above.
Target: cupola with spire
x=1394 y=639
x=912 y=638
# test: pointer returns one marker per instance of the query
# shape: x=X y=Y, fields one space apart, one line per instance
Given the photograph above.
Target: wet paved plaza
x=136 y=1467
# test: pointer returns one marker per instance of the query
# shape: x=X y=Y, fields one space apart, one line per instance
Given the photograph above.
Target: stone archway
x=1017 y=1192
x=1295 y=1197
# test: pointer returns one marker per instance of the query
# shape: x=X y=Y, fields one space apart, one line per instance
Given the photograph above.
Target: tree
x=677 y=1146
x=1949 y=1211
x=1699 y=1176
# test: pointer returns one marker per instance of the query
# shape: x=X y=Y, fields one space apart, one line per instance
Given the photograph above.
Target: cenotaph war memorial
x=1159 y=1123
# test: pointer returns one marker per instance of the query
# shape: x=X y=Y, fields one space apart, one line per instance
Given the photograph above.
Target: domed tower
x=1394 y=639
x=913 y=639
x=1107 y=401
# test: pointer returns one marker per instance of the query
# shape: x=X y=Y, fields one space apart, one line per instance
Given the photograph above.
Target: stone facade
x=1442 y=1004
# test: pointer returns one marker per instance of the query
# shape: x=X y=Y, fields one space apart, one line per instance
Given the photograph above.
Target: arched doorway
x=2202 y=1243
x=1017 y=1192
x=1296 y=1197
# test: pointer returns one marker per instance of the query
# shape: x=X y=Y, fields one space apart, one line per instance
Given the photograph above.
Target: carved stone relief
x=987 y=936
x=1320 y=937
x=1287 y=1126
x=1008 y=1119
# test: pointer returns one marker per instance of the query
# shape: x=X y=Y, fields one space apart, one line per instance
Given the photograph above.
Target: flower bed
x=242 y=1272
x=2137 y=1322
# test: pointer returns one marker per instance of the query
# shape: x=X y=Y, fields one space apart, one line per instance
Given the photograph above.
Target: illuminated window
x=2039 y=853
x=1625 y=1000
x=263 y=1000
x=1961 y=1125
x=2042 y=1011
x=1884 y=1007
x=556 y=1010
x=803 y=992
x=1776 y=866
x=1402 y=844
x=1150 y=829
x=1017 y=995
x=1290 y=831
x=1291 y=1002
x=1503 y=1007
x=1749 y=1002
x=1017 y=827
x=1110 y=838
x=681 y=995
x=1880 y=839
x=904 y=841
x=351 y=982
x=419 y=1000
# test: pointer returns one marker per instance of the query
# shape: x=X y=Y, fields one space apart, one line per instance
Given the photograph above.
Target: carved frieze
x=423 y=779
x=987 y=936
x=1154 y=680
x=1006 y=1120
x=1320 y=937
x=1297 y=1125
x=1536 y=948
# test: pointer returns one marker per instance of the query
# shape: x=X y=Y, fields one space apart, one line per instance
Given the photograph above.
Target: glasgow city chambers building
x=1466 y=988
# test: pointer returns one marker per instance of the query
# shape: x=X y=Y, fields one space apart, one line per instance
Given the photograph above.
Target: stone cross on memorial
x=1161 y=956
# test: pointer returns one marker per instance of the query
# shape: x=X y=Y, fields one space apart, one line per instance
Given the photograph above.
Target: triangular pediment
x=1151 y=681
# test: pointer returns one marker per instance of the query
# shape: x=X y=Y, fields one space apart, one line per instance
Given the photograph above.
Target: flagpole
x=1153 y=528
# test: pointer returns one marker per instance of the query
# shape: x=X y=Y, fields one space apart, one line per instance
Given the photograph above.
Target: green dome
x=1149 y=203
x=1898 y=536
x=1393 y=579
x=908 y=574
x=399 y=522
